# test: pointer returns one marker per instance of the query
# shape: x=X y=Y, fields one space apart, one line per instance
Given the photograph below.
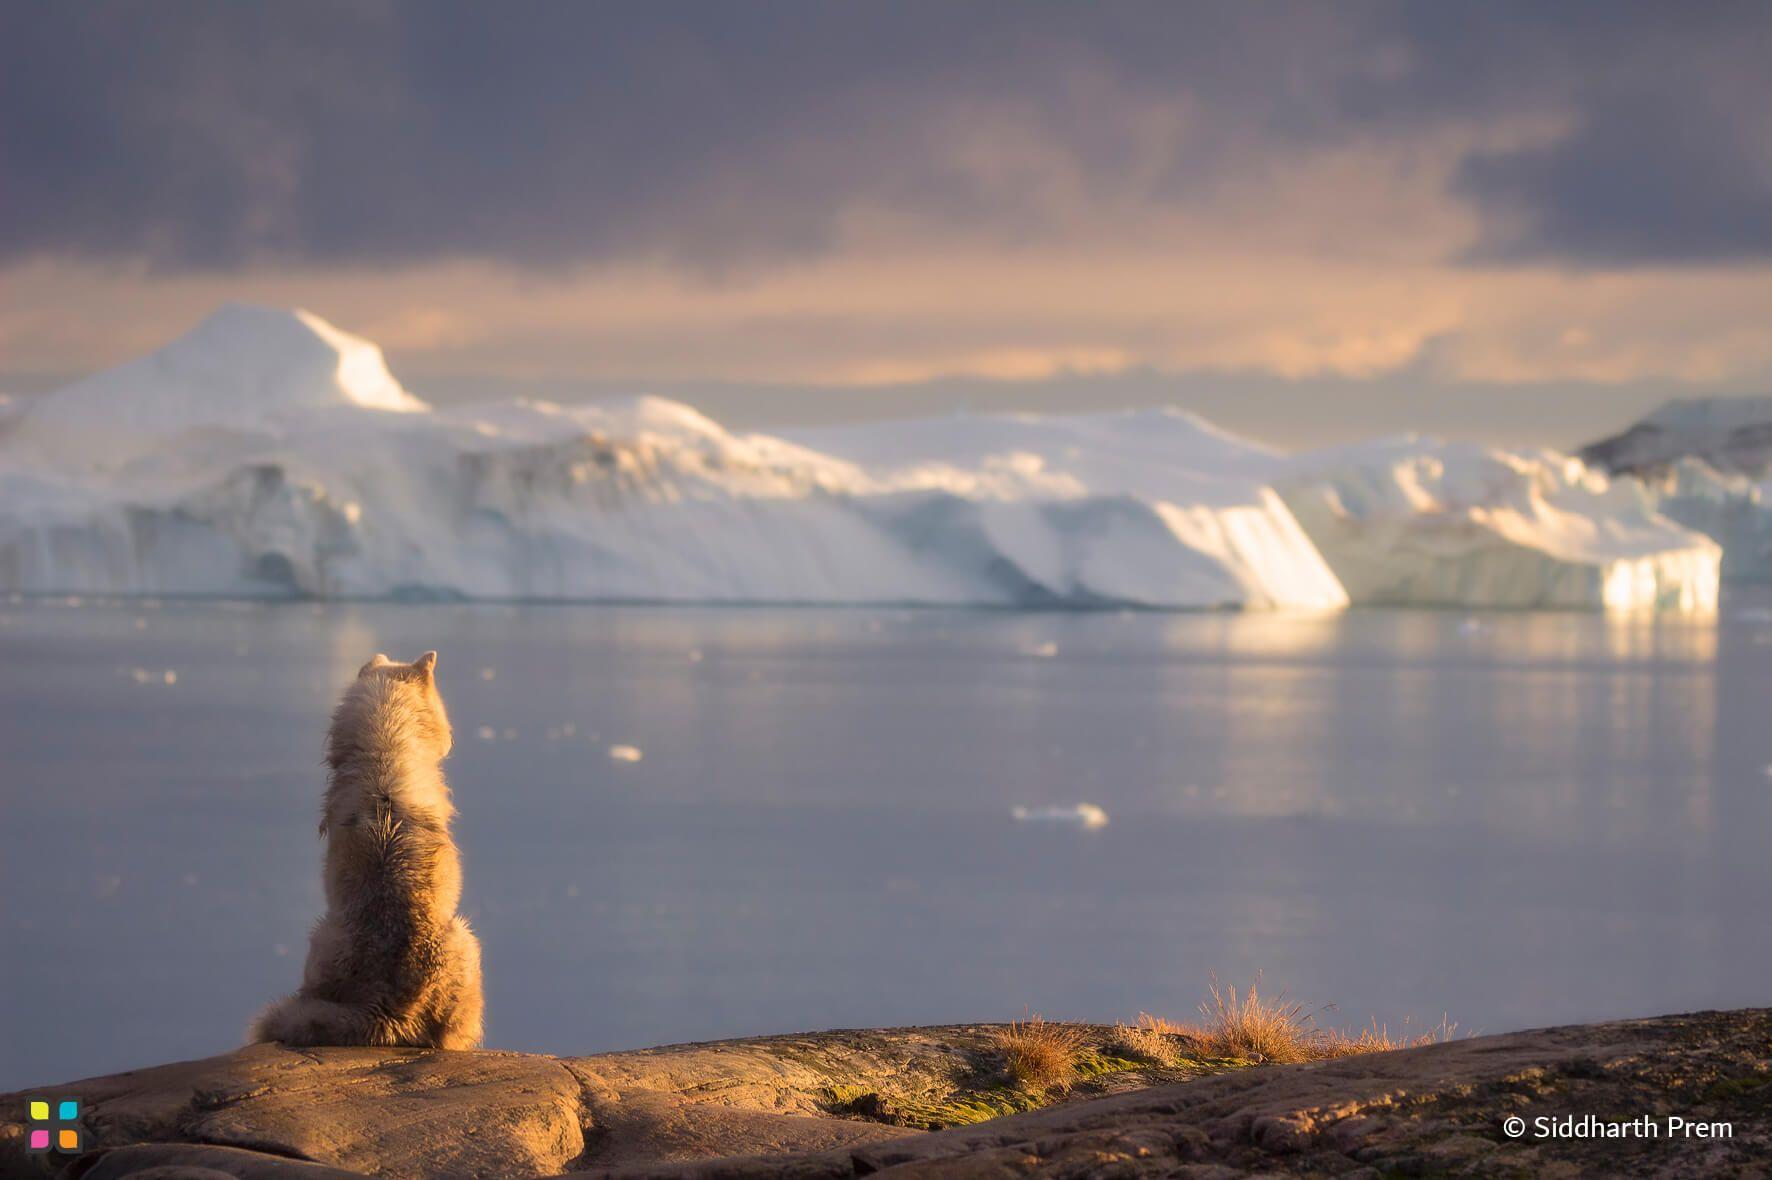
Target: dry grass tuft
x=1251 y=1026
x=1152 y=1038
x=1376 y=1038
x=1254 y=1027
x=1040 y=1054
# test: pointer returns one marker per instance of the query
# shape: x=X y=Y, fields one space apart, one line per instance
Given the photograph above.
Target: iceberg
x=242 y=369
x=1149 y=508
x=1420 y=521
x=1707 y=461
x=1730 y=434
x=1732 y=509
x=268 y=453
x=1087 y=816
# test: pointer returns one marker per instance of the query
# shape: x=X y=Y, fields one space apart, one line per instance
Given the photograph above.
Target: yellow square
x=68 y=1139
x=39 y=1110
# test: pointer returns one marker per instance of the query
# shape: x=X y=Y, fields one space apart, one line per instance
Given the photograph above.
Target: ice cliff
x=1708 y=461
x=267 y=452
x=1419 y=520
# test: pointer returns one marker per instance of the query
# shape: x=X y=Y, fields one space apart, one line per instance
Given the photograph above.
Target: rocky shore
x=936 y=1102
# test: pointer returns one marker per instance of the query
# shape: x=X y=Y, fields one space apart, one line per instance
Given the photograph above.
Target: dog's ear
x=378 y=660
x=426 y=663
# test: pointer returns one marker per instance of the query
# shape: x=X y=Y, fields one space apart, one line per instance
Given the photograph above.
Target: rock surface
x=846 y=1104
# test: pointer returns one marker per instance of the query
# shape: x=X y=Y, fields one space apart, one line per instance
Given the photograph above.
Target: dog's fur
x=390 y=963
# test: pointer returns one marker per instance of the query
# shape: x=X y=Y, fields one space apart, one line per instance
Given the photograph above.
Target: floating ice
x=1418 y=521
x=1079 y=815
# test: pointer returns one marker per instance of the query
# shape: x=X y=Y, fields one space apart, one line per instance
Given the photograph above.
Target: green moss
x=980 y=1091
x=1092 y=1065
x=1204 y=1064
x=967 y=1107
x=1727 y=1089
x=844 y=1096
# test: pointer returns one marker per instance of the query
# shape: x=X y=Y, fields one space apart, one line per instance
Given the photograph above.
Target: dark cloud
x=213 y=135
x=1670 y=156
x=1640 y=181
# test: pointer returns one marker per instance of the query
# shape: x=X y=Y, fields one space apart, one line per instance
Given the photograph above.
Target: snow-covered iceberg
x=1732 y=509
x=1137 y=507
x=1413 y=520
x=267 y=452
x=1729 y=434
x=1707 y=460
x=242 y=371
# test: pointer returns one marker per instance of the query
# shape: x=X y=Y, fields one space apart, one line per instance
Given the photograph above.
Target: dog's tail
x=303 y=1020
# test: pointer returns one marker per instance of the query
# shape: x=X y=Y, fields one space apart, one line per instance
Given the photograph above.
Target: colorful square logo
x=62 y=1132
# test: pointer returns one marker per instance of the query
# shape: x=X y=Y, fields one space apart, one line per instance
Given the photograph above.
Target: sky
x=1517 y=222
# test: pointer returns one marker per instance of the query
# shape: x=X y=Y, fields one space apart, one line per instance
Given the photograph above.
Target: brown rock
x=774 y=1107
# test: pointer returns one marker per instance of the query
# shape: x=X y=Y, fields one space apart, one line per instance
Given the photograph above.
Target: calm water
x=1513 y=819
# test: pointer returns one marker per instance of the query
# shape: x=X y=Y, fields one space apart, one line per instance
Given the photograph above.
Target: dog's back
x=390 y=963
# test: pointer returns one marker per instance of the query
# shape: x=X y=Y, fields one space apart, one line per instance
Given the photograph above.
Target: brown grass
x=1252 y=1026
x=1152 y=1038
x=1040 y=1054
x=1376 y=1038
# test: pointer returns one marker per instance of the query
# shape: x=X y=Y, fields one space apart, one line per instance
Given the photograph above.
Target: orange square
x=68 y=1139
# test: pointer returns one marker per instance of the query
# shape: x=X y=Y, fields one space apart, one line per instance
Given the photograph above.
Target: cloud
x=882 y=197
x=727 y=138
x=891 y=315
x=1702 y=194
x=1668 y=158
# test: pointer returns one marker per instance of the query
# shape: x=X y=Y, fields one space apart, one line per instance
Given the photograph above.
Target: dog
x=390 y=962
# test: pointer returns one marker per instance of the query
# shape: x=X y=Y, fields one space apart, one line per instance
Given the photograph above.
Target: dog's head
x=409 y=691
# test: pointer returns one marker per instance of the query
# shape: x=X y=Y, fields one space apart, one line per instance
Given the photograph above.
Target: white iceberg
x=1086 y=816
x=1707 y=460
x=241 y=371
x=1418 y=521
x=1732 y=509
x=1141 y=508
x=269 y=453
x=1730 y=434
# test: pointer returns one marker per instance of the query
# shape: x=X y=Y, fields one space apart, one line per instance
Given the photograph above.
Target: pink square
x=39 y=1140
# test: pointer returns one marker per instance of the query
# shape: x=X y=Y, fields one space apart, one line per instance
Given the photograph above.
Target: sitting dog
x=390 y=962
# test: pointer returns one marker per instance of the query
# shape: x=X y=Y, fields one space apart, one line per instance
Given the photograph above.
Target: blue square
x=69 y=1110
